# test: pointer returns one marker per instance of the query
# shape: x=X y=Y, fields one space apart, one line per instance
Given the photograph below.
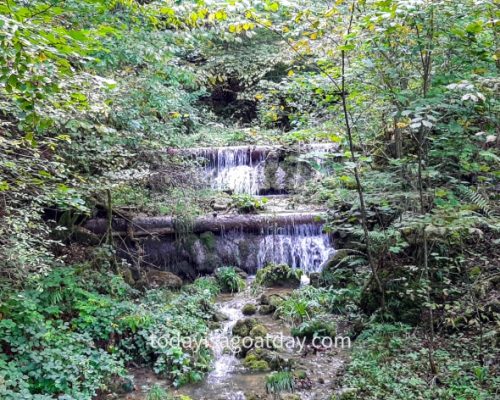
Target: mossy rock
x=315 y=279
x=255 y=364
x=275 y=360
x=219 y=316
x=300 y=374
x=243 y=327
x=208 y=240
x=266 y=309
x=160 y=279
x=278 y=275
x=258 y=330
x=249 y=309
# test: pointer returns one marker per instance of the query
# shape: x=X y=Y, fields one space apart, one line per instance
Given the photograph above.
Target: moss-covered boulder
x=243 y=327
x=249 y=309
x=266 y=309
x=258 y=331
x=275 y=360
x=153 y=279
x=255 y=363
x=278 y=275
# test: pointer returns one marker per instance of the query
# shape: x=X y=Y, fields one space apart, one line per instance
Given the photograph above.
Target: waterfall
x=241 y=169
x=236 y=168
x=304 y=247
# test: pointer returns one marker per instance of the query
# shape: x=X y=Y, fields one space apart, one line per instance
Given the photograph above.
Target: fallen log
x=146 y=226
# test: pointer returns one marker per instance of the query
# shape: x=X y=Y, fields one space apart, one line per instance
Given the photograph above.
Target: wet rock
x=315 y=279
x=122 y=385
x=242 y=274
x=221 y=204
x=243 y=327
x=249 y=309
x=219 y=316
x=274 y=359
x=264 y=299
x=300 y=374
x=160 y=279
x=278 y=275
x=266 y=309
x=255 y=363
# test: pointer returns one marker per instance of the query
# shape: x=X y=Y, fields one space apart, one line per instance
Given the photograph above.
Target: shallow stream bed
x=230 y=380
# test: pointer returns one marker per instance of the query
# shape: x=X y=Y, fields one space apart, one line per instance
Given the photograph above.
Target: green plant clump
x=279 y=382
x=67 y=333
x=247 y=204
x=228 y=280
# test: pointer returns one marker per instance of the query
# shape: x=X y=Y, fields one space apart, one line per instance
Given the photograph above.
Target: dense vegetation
x=93 y=91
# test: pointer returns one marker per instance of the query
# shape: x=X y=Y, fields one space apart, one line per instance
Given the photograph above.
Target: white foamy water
x=304 y=247
x=241 y=168
x=236 y=168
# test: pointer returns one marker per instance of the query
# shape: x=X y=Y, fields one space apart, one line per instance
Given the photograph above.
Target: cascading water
x=241 y=169
x=235 y=168
x=304 y=247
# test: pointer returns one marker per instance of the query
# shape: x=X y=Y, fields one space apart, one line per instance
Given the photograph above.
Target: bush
x=278 y=275
x=247 y=204
x=62 y=337
x=316 y=327
x=228 y=280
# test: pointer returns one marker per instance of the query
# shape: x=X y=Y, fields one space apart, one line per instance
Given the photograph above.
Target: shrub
x=316 y=327
x=228 y=280
x=247 y=204
x=278 y=275
x=62 y=337
x=157 y=393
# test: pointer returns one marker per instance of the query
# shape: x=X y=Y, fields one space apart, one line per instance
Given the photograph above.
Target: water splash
x=236 y=168
x=304 y=247
x=241 y=169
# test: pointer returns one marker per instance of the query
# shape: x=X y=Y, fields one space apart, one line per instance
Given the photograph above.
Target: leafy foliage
x=62 y=336
x=281 y=381
x=228 y=280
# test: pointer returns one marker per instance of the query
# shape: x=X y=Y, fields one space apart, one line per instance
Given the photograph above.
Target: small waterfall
x=242 y=168
x=304 y=247
x=237 y=168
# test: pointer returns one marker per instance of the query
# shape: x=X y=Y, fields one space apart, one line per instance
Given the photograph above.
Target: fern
x=475 y=198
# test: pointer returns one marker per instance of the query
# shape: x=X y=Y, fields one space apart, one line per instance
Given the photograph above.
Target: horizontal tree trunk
x=144 y=226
